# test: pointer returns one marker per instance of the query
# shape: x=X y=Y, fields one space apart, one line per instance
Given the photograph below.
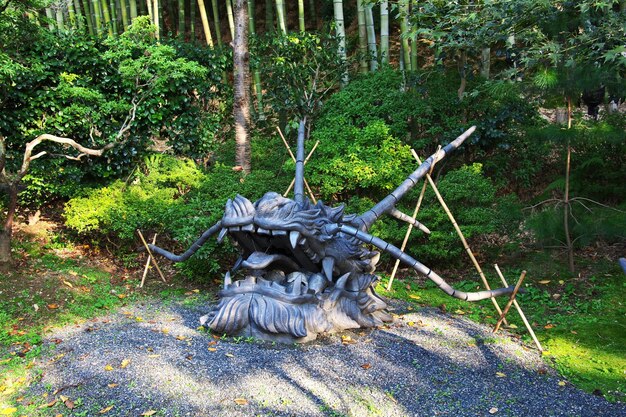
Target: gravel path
x=425 y=364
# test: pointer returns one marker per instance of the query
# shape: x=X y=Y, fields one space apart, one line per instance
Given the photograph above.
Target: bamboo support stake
x=510 y=303
x=408 y=231
x=145 y=270
x=150 y=256
x=460 y=234
x=519 y=310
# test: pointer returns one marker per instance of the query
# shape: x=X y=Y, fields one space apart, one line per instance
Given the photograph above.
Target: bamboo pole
x=155 y=18
x=150 y=256
x=89 y=17
x=519 y=310
x=409 y=230
x=50 y=17
x=71 y=14
x=113 y=8
x=59 y=19
x=97 y=16
x=340 y=30
x=460 y=234
x=79 y=15
x=145 y=270
x=280 y=16
x=363 y=67
x=269 y=16
x=216 y=22
x=511 y=299
x=231 y=21
x=181 y=19
x=149 y=6
x=205 y=23
x=301 y=23
x=107 y=16
x=371 y=37
x=384 y=32
x=192 y=20
x=124 y=13
x=403 y=9
x=133 y=9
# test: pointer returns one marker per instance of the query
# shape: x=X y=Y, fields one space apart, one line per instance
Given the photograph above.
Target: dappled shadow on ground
x=426 y=364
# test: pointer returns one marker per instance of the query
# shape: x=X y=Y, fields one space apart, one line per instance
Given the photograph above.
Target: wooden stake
x=408 y=232
x=145 y=270
x=150 y=256
x=460 y=233
x=508 y=305
x=519 y=310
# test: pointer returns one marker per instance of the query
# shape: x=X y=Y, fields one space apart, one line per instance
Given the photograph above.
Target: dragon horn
x=298 y=188
x=386 y=205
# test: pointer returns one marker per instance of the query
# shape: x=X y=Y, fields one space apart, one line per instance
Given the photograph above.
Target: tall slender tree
x=256 y=74
x=403 y=14
x=241 y=86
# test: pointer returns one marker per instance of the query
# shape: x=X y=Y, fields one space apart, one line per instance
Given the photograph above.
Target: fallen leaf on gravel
x=366 y=366
x=415 y=297
x=212 y=349
x=241 y=401
x=512 y=326
x=500 y=374
x=411 y=323
x=52 y=306
x=181 y=338
x=493 y=410
x=59 y=415
x=212 y=342
x=230 y=355
x=196 y=291
x=121 y=296
x=63 y=398
x=7 y=411
x=112 y=385
x=548 y=326
x=50 y=404
x=72 y=273
x=69 y=284
x=153 y=356
x=562 y=383
x=125 y=363
x=460 y=312
x=108 y=368
x=127 y=313
x=544 y=282
x=189 y=357
x=105 y=410
x=69 y=404
x=347 y=340
x=139 y=318
x=148 y=413
x=165 y=330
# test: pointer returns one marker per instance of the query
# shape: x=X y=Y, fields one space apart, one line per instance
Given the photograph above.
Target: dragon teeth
x=227 y=280
x=294 y=236
x=328 y=264
x=222 y=234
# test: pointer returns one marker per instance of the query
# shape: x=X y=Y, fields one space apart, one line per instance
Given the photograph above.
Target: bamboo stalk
x=150 y=13
x=151 y=256
x=216 y=22
x=341 y=34
x=269 y=16
x=113 y=8
x=155 y=16
x=205 y=23
x=88 y=17
x=59 y=19
x=256 y=75
x=181 y=19
x=371 y=37
x=363 y=67
x=280 y=16
x=231 y=21
x=384 y=32
x=145 y=270
x=97 y=16
x=301 y=23
x=460 y=234
x=403 y=9
x=192 y=20
x=107 y=16
x=50 y=17
x=519 y=310
x=124 y=13
x=71 y=14
x=511 y=299
x=133 y=9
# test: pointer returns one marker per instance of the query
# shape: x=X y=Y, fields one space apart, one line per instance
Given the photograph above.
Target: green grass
x=580 y=322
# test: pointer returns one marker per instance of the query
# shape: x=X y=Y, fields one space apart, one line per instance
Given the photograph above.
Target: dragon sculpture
x=306 y=268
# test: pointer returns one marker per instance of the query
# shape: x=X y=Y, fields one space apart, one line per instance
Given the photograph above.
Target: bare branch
x=595 y=202
x=550 y=200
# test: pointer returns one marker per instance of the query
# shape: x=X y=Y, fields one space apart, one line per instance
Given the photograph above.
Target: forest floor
x=65 y=309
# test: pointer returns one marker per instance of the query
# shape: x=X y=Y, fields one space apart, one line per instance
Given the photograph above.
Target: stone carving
x=306 y=268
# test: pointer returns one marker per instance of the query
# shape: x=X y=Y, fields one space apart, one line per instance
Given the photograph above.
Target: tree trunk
x=341 y=34
x=241 y=102
x=362 y=37
x=384 y=32
x=7 y=229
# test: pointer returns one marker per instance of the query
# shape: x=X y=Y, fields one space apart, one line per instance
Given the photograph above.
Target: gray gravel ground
x=425 y=364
